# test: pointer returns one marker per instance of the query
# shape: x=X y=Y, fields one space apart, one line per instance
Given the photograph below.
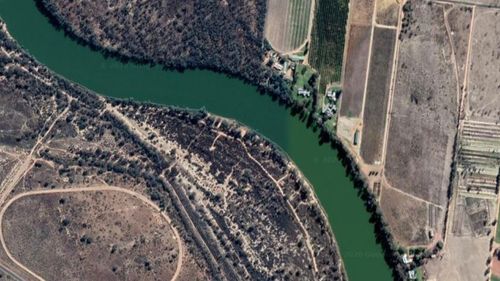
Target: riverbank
x=363 y=257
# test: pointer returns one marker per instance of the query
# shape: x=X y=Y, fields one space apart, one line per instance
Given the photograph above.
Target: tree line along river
x=221 y=95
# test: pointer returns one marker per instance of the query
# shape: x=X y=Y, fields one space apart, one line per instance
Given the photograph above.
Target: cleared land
x=96 y=235
x=327 y=40
x=467 y=245
x=361 y=12
x=377 y=94
x=423 y=118
x=465 y=260
x=387 y=12
x=287 y=23
x=459 y=19
x=484 y=73
x=355 y=71
x=424 y=109
x=408 y=225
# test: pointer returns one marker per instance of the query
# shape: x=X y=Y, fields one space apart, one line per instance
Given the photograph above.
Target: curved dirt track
x=84 y=189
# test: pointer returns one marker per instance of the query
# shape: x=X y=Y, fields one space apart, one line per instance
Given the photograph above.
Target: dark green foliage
x=179 y=35
x=327 y=39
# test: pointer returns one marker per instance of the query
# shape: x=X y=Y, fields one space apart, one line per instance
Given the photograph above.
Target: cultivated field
x=484 y=76
x=287 y=23
x=377 y=95
x=355 y=71
x=327 y=40
x=95 y=235
x=387 y=12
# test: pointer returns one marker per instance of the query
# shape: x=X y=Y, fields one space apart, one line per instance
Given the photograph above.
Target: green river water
x=223 y=96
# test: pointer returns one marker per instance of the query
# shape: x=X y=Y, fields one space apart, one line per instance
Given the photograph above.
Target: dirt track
x=85 y=189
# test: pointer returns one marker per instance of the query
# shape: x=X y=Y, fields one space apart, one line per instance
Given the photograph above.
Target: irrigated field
x=355 y=71
x=377 y=94
x=327 y=40
x=287 y=23
x=91 y=235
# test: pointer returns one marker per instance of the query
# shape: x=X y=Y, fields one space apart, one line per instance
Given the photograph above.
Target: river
x=228 y=97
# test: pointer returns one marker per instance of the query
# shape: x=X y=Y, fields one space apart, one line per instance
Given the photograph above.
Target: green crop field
x=327 y=40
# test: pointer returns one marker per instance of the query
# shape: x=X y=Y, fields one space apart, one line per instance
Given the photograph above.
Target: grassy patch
x=331 y=125
x=497 y=236
x=494 y=278
x=301 y=79
x=420 y=274
x=327 y=40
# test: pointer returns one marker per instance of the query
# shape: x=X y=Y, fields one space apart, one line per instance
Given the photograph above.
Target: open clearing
x=484 y=76
x=408 y=225
x=459 y=20
x=98 y=235
x=464 y=262
x=387 y=12
x=377 y=95
x=424 y=109
x=355 y=71
x=361 y=12
x=287 y=23
x=467 y=244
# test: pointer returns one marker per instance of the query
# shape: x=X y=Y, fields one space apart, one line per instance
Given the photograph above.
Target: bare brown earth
x=377 y=94
x=242 y=209
x=93 y=235
x=424 y=109
x=484 y=77
x=355 y=70
x=495 y=267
